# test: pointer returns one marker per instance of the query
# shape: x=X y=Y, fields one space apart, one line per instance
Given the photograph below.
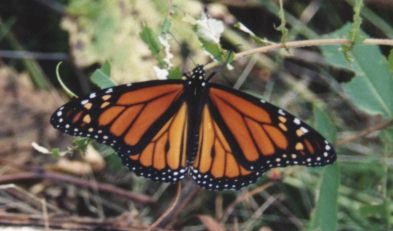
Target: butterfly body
x=165 y=130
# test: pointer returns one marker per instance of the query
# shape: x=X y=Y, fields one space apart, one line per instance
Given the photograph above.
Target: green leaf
x=213 y=48
x=324 y=217
x=151 y=39
x=175 y=73
x=81 y=143
x=258 y=40
x=357 y=21
x=6 y=26
x=323 y=124
x=106 y=68
x=55 y=152
x=376 y=210
x=353 y=35
x=101 y=77
x=166 y=26
x=219 y=54
x=372 y=87
x=390 y=60
x=111 y=158
x=114 y=162
x=282 y=27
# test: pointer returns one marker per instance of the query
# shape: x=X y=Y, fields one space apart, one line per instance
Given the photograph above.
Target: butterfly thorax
x=196 y=86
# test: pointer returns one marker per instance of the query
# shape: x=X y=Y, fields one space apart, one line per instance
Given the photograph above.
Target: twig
x=11 y=178
x=169 y=210
x=303 y=43
x=365 y=132
x=34 y=55
x=54 y=5
x=189 y=192
x=66 y=222
x=23 y=200
x=45 y=214
x=242 y=198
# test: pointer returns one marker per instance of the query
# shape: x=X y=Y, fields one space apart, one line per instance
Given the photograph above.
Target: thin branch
x=53 y=5
x=66 y=222
x=244 y=197
x=304 y=43
x=56 y=177
x=365 y=132
x=168 y=210
x=34 y=55
x=189 y=192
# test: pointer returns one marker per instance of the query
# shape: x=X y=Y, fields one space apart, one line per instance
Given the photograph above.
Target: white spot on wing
x=305 y=130
x=92 y=95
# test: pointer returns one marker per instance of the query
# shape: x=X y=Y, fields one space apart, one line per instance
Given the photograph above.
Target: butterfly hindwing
x=215 y=165
x=133 y=119
x=164 y=158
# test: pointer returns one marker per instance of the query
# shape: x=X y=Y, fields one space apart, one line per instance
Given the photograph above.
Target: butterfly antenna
x=221 y=67
x=211 y=76
x=179 y=44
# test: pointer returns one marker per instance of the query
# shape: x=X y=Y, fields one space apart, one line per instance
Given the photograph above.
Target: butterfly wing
x=215 y=165
x=144 y=122
x=254 y=137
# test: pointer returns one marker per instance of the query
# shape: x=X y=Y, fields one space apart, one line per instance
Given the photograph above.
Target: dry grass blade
x=242 y=198
x=76 y=181
x=64 y=222
x=365 y=132
x=210 y=223
x=21 y=199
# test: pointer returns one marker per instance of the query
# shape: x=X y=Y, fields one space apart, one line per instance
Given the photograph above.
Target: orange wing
x=144 y=122
x=264 y=135
x=241 y=137
x=215 y=165
x=164 y=158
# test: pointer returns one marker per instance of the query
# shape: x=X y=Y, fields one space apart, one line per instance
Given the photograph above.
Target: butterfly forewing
x=144 y=122
x=264 y=136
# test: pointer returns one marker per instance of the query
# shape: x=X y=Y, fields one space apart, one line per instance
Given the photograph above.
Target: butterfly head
x=198 y=73
x=197 y=77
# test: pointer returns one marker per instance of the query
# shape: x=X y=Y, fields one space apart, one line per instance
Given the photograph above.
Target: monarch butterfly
x=167 y=129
